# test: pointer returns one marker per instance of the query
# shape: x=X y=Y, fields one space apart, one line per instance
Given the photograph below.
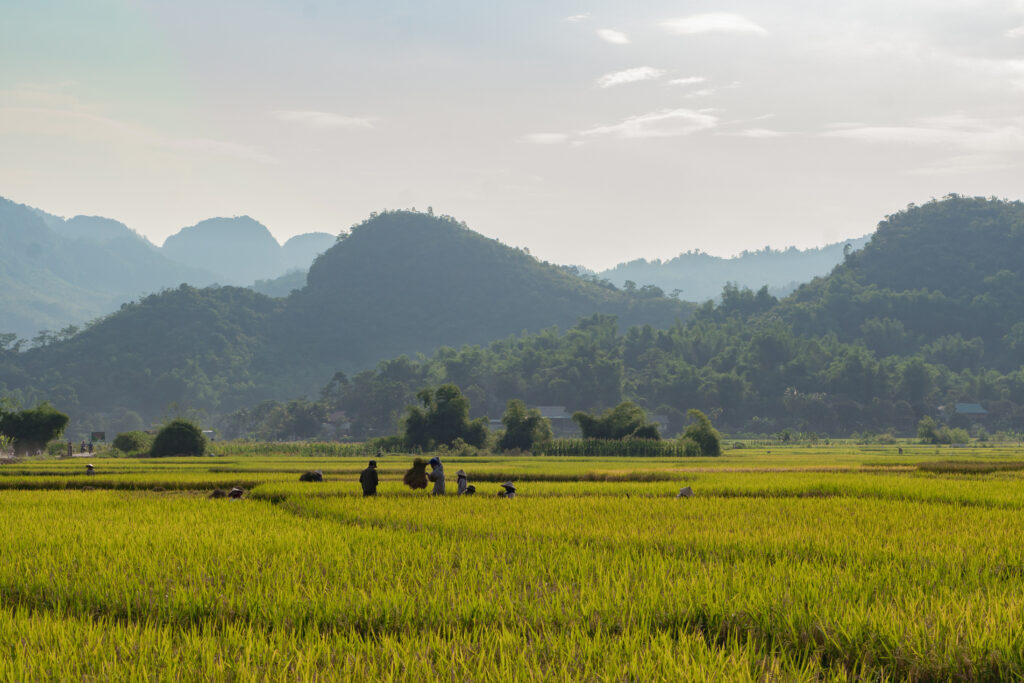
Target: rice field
x=800 y=564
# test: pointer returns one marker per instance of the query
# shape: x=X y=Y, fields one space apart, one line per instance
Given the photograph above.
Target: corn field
x=795 y=565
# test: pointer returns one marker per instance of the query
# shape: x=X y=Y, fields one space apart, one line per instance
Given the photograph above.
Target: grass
x=802 y=564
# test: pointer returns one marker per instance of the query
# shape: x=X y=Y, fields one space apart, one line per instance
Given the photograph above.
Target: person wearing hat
x=437 y=475
x=368 y=478
x=509 y=492
x=463 y=481
x=89 y=470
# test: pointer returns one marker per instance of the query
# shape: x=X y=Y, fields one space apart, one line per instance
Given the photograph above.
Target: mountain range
x=697 y=276
x=58 y=273
x=399 y=283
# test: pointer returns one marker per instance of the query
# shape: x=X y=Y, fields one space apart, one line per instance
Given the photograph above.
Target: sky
x=591 y=133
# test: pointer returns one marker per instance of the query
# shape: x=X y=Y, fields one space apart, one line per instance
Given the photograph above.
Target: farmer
x=89 y=470
x=463 y=481
x=368 y=478
x=437 y=475
x=509 y=492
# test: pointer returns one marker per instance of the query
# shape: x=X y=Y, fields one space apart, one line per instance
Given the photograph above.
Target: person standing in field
x=437 y=475
x=368 y=479
x=463 y=480
x=509 y=492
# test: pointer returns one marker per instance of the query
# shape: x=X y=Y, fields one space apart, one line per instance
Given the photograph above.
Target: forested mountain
x=401 y=282
x=699 y=276
x=57 y=274
x=929 y=314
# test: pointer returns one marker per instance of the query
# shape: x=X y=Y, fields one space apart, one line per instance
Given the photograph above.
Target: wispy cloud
x=761 y=133
x=1015 y=32
x=639 y=73
x=546 y=138
x=957 y=131
x=713 y=22
x=689 y=80
x=611 y=36
x=322 y=119
x=664 y=123
x=578 y=17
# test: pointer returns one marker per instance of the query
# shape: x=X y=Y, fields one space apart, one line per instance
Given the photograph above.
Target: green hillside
x=928 y=315
x=399 y=283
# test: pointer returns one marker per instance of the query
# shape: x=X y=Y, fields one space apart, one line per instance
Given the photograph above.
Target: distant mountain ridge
x=399 y=283
x=56 y=272
x=700 y=276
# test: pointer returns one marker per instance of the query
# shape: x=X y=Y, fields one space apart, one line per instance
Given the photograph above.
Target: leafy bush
x=132 y=442
x=703 y=434
x=178 y=437
x=625 y=419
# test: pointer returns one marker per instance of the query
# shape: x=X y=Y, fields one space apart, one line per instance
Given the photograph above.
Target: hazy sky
x=589 y=132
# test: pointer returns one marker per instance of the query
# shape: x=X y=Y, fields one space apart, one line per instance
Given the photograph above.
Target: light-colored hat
x=461 y=474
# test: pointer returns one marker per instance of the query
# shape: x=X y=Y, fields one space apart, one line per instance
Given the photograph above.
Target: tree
x=443 y=418
x=927 y=430
x=178 y=437
x=625 y=419
x=703 y=434
x=523 y=427
x=31 y=429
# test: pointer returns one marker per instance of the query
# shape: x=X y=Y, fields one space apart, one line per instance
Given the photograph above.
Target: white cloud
x=1015 y=32
x=322 y=119
x=956 y=132
x=714 y=22
x=689 y=80
x=664 y=123
x=639 y=73
x=578 y=17
x=546 y=138
x=614 y=37
x=761 y=133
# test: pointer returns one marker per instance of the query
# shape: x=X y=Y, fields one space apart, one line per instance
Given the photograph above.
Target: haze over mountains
x=928 y=313
x=697 y=276
x=56 y=272
x=402 y=282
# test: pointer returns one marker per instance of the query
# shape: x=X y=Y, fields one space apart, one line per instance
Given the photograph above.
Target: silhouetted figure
x=901 y=450
x=82 y=449
x=89 y=470
x=314 y=475
x=508 y=490
x=90 y=446
x=236 y=493
x=368 y=479
x=463 y=481
x=416 y=476
x=71 y=449
x=470 y=490
x=685 y=492
x=437 y=475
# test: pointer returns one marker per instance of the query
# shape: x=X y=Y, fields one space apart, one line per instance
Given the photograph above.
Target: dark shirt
x=368 y=478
